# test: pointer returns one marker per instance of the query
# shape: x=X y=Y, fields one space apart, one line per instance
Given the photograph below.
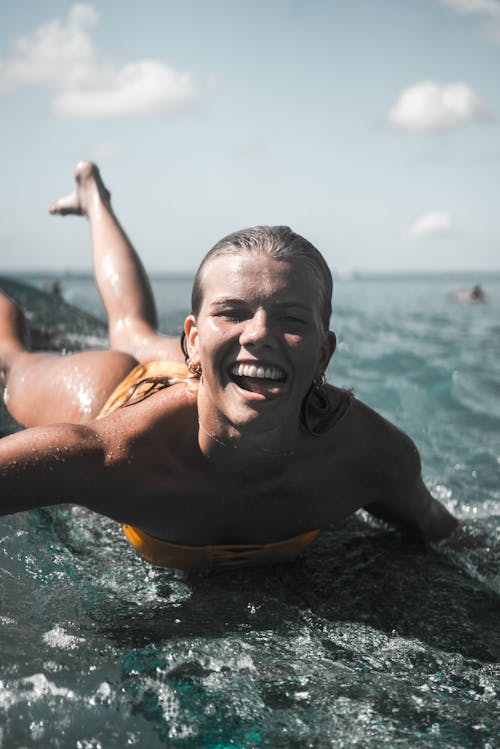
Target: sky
x=371 y=128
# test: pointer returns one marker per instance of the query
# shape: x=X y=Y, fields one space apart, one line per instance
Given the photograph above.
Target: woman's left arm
x=404 y=498
x=417 y=511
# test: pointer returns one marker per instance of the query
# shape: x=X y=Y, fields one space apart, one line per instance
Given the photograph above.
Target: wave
x=370 y=639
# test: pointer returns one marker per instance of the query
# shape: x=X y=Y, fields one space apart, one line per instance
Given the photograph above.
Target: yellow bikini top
x=167 y=554
x=230 y=556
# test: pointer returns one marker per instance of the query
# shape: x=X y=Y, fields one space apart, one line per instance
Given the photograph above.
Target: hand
x=463 y=538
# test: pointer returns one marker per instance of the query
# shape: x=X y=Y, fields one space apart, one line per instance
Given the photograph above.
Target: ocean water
x=369 y=640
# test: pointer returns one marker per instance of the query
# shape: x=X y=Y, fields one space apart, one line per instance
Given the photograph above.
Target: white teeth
x=263 y=373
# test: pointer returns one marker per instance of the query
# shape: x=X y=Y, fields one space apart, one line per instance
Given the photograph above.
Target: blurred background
x=370 y=128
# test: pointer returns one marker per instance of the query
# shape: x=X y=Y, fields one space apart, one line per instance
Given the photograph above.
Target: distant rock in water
x=55 y=325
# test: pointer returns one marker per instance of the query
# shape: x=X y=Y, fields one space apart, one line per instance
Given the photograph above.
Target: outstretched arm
x=401 y=496
x=414 y=509
x=49 y=465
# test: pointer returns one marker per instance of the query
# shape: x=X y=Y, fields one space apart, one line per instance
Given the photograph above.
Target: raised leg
x=120 y=275
x=42 y=388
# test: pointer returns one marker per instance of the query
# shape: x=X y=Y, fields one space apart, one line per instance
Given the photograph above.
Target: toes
x=66 y=205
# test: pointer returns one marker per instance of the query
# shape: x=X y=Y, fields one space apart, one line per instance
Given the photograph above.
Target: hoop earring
x=195 y=369
x=316 y=408
x=184 y=346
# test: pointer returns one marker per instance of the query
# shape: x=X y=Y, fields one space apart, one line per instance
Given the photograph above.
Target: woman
x=228 y=451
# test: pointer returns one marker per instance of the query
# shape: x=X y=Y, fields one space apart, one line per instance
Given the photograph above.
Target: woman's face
x=259 y=340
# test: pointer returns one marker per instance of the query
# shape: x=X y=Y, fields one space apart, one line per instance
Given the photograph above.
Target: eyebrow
x=227 y=301
x=296 y=305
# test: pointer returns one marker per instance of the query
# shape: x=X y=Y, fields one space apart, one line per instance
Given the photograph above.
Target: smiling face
x=260 y=341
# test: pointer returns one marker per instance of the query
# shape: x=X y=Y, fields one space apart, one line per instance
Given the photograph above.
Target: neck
x=231 y=448
x=238 y=446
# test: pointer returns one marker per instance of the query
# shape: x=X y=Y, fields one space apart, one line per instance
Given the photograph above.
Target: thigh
x=145 y=345
x=47 y=388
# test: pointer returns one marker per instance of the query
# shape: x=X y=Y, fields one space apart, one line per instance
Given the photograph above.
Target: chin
x=254 y=413
x=251 y=421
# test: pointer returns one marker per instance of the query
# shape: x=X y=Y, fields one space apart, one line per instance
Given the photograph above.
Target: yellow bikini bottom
x=167 y=554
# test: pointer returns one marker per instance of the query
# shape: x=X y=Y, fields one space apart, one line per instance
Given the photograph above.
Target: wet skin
x=251 y=474
x=260 y=342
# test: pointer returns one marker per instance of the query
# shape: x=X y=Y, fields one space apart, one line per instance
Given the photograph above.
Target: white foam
x=103 y=694
x=88 y=744
x=58 y=638
x=37 y=729
x=39 y=687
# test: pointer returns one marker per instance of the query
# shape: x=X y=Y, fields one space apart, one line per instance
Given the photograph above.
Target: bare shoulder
x=142 y=446
x=160 y=415
x=370 y=424
x=364 y=423
x=386 y=454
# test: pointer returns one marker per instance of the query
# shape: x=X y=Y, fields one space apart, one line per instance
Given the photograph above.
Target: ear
x=328 y=349
x=191 y=333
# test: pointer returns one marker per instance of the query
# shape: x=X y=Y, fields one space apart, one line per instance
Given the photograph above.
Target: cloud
x=61 y=56
x=431 y=224
x=487 y=10
x=145 y=87
x=428 y=106
x=56 y=54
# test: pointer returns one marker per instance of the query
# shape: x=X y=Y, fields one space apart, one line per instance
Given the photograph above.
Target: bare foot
x=89 y=191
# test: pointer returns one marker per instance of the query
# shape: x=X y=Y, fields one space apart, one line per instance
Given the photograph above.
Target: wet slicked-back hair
x=280 y=243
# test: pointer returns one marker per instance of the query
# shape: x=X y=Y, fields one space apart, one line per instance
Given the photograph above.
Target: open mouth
x=258 y=378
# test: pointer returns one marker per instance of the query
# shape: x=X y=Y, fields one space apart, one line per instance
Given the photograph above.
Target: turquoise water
x=369 y=640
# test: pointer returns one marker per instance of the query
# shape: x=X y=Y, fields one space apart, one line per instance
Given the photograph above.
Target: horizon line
x=339 y=273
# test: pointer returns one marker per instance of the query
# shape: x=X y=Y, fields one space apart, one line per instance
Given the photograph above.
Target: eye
x=232 y=314
x=296 y=321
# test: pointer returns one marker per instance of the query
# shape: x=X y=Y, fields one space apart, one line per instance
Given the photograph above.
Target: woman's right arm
x=49 y=465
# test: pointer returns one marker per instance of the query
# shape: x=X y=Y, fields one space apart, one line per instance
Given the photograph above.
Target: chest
x=197 y=507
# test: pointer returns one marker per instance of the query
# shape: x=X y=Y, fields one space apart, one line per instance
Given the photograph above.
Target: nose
x=257 y=331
